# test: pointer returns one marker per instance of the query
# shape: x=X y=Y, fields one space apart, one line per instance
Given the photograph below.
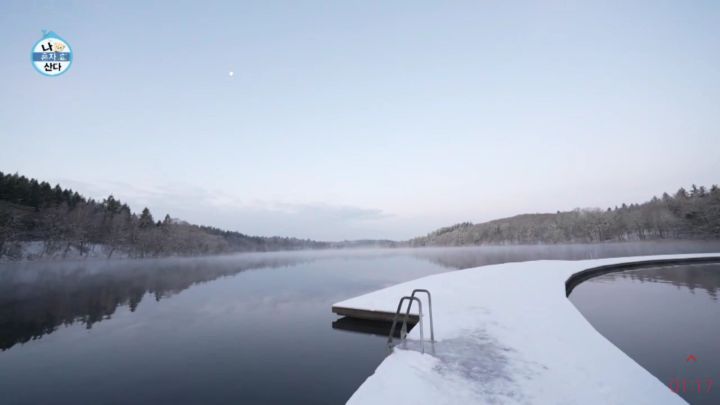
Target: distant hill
x=63 y=221
x=57 y=222
x=693 y=214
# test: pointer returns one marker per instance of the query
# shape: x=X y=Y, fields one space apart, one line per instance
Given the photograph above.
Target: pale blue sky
x=364 y=119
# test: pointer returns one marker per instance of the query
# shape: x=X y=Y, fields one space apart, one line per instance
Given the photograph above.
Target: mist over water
x=248 y=328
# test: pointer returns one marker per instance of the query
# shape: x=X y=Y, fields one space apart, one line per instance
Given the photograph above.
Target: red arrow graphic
x=691 y=358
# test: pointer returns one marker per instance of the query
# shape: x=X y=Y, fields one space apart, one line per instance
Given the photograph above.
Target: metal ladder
x=403 y=330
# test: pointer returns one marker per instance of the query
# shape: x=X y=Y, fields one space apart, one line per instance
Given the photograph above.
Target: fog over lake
x=247 y=328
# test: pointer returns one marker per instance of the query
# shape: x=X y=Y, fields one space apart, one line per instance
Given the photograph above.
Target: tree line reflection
x=705 y=277
x=38 y=298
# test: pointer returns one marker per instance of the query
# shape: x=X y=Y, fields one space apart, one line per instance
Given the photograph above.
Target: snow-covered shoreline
x=507 y=334
x=23 y=251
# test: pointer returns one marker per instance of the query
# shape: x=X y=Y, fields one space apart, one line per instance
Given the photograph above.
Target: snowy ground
x=506 y=334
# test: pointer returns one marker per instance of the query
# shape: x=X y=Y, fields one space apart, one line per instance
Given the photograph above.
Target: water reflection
x=237 y=335
x=682 y=276
x=217 y=330
x=378 y=328
x=659 y=316
x=37 y=298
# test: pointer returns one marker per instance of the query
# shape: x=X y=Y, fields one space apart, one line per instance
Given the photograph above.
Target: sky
x=364 y=119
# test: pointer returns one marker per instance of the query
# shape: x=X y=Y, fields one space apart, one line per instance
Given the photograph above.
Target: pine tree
x=146 y=220
x=112 y=205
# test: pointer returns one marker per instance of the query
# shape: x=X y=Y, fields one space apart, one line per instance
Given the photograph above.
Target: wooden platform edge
x=369 y=314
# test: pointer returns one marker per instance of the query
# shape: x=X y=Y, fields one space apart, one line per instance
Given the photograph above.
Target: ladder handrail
x=403 y=330
x=422 y=290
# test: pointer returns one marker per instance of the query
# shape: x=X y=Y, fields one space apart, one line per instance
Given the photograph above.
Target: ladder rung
x=403 y=330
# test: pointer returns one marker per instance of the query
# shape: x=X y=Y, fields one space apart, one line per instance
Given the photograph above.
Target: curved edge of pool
x=508 y=334
x=584 y=275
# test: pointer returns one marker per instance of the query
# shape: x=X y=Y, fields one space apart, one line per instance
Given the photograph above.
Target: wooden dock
x=370 y=315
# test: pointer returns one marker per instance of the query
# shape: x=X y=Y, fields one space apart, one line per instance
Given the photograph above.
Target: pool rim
x=577 y=278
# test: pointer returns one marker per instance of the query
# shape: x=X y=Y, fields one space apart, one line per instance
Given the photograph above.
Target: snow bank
x=506 y=334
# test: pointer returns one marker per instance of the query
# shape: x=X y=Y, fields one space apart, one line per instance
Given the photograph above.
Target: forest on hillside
x=61 y=222
x=688 y=214
x=65 y=221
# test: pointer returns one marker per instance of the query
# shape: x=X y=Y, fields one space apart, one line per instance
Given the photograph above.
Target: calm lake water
x=660 y=316
x=250 y=328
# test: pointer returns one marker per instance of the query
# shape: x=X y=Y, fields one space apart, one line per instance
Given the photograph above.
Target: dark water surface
x=660 y=316
x=251 y=328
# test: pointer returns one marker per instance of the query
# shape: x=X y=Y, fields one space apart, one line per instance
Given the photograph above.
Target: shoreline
x=37 y=251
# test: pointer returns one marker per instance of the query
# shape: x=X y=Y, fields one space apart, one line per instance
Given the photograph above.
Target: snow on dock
x=507 y=334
